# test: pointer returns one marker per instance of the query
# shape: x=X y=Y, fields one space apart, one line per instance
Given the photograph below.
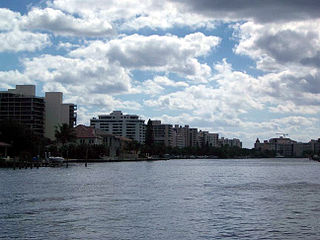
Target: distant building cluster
x=286 y=147
x=133 y=127
x=43 y=114
x=40 y=114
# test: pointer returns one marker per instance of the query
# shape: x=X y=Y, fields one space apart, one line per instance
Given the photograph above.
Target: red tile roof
x=85 y=132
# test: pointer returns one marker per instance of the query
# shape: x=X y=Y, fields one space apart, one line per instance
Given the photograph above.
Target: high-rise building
x=41 y=115
x=185 y=136
x=129 y=126
x=162 y=133
x=58 y=113
x=213 y=139
x=21 y=105
x=193 y=137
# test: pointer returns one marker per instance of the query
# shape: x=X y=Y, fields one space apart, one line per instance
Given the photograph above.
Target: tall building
x=181 y=136
x=184 y=136
x=129 y=126
x=21 y=105
x=41 y=115
x=162 y=133
x=193 y=137
x=58 y=113
x=203 y=138
x=213 y=139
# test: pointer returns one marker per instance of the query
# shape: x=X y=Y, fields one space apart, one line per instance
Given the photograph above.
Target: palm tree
x=65 y=134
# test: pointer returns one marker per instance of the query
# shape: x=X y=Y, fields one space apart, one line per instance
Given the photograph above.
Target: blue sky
x=247 y=69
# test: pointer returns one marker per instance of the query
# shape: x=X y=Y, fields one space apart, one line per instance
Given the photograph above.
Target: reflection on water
x=180 y=199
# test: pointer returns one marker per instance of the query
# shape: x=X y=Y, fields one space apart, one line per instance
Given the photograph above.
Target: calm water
x=180 y=199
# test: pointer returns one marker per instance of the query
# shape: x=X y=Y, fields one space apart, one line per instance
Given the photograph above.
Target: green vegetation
x=25 y=145
x=23 y=142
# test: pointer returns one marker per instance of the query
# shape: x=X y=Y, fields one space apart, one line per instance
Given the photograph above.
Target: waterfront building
x=287 y=147
x=213 y=139
x=21 y=105
x=230 y=142
x=40 y=115
x=58 y=113
x=116 y=123
x=203 y=138
x=93 y=136
x=193 y=137
x=162 y=133
x=182 y=136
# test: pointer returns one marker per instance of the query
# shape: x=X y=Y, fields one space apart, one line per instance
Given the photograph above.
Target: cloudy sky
x=244 y=69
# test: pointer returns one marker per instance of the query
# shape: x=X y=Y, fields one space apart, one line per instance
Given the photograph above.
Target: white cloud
x=275 y=46
x=129 y=15
x=96 y=76
x=156 y=53
x=164 y=81
x=8 y=19
x=15 y=41
x=11 y=78
x=59 y=23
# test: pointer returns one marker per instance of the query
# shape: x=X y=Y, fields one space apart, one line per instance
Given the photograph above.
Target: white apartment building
x=213 y=139
x=58 y=113
x=129 y=126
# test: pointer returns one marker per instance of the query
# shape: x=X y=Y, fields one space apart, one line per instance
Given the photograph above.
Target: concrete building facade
x=116 y=123
x=21 y=105
x=58 y=113
x=230 y=142
x=162 y=133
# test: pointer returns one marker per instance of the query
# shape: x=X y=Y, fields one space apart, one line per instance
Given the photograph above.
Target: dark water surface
x=176 y=199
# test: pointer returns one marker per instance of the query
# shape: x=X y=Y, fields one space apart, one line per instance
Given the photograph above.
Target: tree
x=65 y=134
x=17 y=135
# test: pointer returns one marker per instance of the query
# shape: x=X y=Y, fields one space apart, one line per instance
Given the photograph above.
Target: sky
x=244 y=69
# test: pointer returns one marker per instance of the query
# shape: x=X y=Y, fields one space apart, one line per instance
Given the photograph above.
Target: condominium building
x=129 y=126
x=58 y=113
x=230 y=142
x=193 y=137
x=162 y=133
x=208 y=139
x=181 y=136
x=41 y=115
x=21 y=105
x=213 y=139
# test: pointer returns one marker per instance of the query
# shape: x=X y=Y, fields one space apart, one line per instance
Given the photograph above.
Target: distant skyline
x=243 y=69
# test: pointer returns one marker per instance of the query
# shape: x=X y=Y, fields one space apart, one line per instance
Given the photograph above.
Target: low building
x=92 y=136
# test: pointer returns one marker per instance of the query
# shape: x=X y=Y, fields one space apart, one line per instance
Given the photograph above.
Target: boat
x=56 y=160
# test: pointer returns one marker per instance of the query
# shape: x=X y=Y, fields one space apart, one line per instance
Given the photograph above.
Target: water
x=176 y=199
